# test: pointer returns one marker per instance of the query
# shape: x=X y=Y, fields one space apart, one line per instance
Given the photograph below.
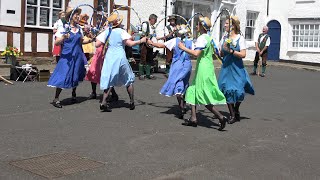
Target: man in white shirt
x=262 y=45
x=148 y=29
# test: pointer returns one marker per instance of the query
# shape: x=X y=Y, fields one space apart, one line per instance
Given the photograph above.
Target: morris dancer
x=94 y=73
x=204 y=89
x=234 y=80
x=170 y=33
x=116 y=70
x=178 y=79
x=70 y=68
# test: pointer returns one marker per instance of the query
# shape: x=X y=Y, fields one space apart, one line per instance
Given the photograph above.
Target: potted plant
x=11 y=54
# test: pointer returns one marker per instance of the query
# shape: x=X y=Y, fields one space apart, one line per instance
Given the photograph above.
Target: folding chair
x=27 y=70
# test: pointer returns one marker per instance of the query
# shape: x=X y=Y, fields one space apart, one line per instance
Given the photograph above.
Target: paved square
x=277 y=137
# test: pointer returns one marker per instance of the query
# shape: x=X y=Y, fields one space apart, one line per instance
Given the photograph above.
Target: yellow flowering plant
x=11 y=51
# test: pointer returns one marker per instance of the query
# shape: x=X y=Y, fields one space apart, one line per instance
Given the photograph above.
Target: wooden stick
x=259 y=65
x=5 y=80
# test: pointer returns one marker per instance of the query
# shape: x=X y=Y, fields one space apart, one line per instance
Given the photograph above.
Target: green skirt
x=204 y=89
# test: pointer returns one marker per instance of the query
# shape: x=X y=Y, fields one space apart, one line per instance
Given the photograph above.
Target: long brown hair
x=235 y=23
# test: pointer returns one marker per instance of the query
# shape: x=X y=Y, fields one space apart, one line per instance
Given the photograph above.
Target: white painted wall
x=16 y=40
x=10 y=19
x=42 y=42
x=280 y=11
x=27 y=42
x=3 y=40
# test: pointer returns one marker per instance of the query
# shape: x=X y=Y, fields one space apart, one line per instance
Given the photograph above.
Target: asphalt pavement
x=277 y=137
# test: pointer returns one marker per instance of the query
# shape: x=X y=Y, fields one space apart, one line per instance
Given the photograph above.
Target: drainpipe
x=267 y=7
x=165 y=11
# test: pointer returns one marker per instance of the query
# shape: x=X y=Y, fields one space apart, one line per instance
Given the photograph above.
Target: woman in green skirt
x=204 y=89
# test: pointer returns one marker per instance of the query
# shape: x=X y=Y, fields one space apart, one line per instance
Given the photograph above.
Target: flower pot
x=11 y=60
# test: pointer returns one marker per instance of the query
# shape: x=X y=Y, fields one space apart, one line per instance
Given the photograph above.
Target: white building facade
x=294 y=25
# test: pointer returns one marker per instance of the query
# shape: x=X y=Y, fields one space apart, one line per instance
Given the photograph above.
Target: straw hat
x=70 y=9
x=183 y=29
x=236 y=23
x=205 y=22
x=83 y=19
x=115 y=19
x=171 y=17
x=235 y=19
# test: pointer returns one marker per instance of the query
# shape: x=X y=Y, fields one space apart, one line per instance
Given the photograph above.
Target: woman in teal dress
x=204 y=88
x=234 y=80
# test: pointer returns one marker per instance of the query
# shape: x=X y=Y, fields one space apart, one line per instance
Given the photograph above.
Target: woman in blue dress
x=180 y=70
x=234 y=80
x=116 y=70
x=70 y=68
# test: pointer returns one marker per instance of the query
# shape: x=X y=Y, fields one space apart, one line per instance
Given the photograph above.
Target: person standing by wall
x=262 y=44
x=148 y=30
x=58 y=24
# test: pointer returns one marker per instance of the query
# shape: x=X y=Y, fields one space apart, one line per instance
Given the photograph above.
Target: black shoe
x=56 y=104
x=190 y=123
x=222 y=123
x=253 y=73
x=151 y=77
x=92 y=96
x=262 y=75
x=141 y=77
x=105 y=108
x=232 y=120
x=132 y=106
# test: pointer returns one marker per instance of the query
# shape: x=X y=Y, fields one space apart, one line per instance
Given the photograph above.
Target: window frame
x=51 y=9
x=298 y=36
x=252 y=26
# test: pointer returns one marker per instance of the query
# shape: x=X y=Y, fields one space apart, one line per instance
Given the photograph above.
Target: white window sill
x=313 y=50
x=250 y=44
x=37 y=27
x=227 y=2
x=305 y=1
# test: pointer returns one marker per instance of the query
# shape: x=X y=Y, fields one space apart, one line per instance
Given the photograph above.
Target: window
x=43 y=13
x=250 y=24
x=186 y=9
x=306 y=36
